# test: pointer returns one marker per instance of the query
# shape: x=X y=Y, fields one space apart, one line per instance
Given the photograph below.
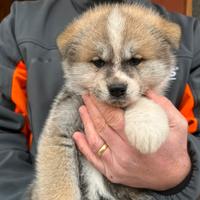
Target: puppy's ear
x=65 y=41
x=172 y=32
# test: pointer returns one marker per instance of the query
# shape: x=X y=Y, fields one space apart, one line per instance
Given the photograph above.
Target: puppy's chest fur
x=94 y=186
x=97 y=187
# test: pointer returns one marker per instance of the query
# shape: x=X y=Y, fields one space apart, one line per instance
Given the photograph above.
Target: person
x=31 y=76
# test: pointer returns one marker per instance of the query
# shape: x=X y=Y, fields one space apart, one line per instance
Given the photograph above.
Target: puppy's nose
x=117 y=89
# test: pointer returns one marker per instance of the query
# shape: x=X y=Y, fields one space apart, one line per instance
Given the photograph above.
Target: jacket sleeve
x=16 y=167
x=189 y=189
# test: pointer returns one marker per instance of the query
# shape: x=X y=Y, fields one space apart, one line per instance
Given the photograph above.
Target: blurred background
x=187 y=7
x=196 y=8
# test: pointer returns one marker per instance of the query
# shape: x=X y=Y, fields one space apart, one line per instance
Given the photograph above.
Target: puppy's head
x=118 y=52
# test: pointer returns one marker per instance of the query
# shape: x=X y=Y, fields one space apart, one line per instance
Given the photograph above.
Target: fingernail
x=81 y=109
x=86 y=95
x=75 y=135
x=150 y=94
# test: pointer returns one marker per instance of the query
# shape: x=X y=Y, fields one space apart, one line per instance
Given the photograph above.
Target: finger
x=165 y=103
x=84 y=148
x=97 y=137
x=97 y=118
x=104 y=106
x=176 y=120
x=114 y=119
x=113 y=133
x=113 y=116
x=93 y=138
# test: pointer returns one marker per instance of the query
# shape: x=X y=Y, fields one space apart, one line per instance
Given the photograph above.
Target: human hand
x=122 y=163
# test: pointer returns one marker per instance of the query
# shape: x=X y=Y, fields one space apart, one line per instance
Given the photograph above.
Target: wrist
x=189 y=188
x=177 y=173
x=183 y=170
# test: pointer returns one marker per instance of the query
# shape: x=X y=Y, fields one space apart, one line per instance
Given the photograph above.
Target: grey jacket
x=31 y=76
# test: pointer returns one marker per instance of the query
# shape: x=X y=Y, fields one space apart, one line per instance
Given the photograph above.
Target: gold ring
x=102 y=150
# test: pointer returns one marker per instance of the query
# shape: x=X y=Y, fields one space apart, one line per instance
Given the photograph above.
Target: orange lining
x=186 y=108
x=19 y=97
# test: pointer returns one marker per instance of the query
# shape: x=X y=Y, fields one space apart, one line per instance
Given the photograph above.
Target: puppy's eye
x=134 y=61
x=99 y=63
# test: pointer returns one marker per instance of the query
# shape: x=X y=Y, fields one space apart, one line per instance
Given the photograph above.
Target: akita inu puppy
x=116 y=53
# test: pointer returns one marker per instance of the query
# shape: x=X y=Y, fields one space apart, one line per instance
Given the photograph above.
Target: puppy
x=116 y=53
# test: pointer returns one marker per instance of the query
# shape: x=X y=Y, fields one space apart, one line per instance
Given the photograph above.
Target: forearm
x=16 y=167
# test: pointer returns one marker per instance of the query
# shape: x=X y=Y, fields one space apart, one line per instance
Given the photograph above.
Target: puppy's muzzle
x=117 y=89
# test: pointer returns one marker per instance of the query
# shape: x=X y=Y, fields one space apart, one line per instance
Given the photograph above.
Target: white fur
x=104 y=49
x=146 y=125
x=115 y=26
x=96 y=185
x=157 y=75
x=129 y=49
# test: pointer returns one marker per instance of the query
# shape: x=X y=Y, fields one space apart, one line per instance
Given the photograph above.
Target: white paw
x=146 y=126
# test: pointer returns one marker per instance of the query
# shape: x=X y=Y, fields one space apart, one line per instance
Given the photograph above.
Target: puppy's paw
x=146 y=126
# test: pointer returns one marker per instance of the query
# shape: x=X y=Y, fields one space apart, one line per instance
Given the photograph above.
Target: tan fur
x=138 y=32
x=53 y=162
x=136 y=14
x=95 y=27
